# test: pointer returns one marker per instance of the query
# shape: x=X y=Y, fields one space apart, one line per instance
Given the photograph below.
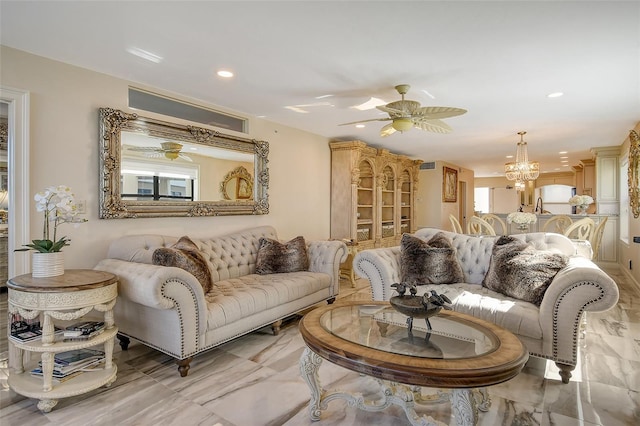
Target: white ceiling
x=498 y=60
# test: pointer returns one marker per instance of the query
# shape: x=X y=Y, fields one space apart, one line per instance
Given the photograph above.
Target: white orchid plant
x=58 y=205
x=521 y=218
x=580 y=200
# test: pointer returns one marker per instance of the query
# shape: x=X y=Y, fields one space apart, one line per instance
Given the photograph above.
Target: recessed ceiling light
x=565 y=165
x=555 y=95
x=225 y=74
x=323 y=96
x=140 y=53
x=564 y=161
x=563 y=157
x=360 y=126
x=562 y=152
x=509 y=156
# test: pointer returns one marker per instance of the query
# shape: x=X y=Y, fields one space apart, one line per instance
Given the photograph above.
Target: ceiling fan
x=170 y=150
x=405 y=114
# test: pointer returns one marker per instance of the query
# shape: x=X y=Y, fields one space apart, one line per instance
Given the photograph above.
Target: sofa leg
x=275 y=327
x=183 y=366
x=330 y=301
x=124 y=341
x=565 y=371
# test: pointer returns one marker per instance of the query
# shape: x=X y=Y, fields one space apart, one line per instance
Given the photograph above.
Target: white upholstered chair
x=581 y=229
x=477 y=226
x=557 y=224
x=495 y=220
x=455 y=225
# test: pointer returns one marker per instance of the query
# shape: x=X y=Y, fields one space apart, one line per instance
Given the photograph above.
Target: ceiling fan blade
x=387 y=130
x=185 y=157
x=438 y=112
x=436 y=126
x=364 y=121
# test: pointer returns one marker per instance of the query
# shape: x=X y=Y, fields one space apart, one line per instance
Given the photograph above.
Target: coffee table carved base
x=465 y=403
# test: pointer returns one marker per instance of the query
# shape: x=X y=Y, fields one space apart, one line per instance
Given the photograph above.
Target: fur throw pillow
x=432 y=262
x=520 y=271
x=184 y=254
x=275 y=257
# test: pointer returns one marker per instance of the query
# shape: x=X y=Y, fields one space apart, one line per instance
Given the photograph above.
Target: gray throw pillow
x=520 y=271
x=275 y=257
x=433 y=262
x=184 y=254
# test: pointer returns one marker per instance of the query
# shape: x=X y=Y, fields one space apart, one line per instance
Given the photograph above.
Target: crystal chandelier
x=522 y=169
x=519 y=186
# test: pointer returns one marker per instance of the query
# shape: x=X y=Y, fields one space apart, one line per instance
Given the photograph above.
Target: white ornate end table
x=64 y=298
x=460 y=353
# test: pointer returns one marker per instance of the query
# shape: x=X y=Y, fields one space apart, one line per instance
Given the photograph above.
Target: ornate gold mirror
x=634 y=173
x=154 y=168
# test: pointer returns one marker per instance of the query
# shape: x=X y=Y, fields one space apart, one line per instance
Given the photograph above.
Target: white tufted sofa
x=550 y=331
x=166 y=308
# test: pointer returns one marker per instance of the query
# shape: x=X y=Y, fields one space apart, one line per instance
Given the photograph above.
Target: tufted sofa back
x=229 y=256
x=474 y=252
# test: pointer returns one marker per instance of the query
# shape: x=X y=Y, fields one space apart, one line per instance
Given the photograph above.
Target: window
x=140 y=99
x=481 y=200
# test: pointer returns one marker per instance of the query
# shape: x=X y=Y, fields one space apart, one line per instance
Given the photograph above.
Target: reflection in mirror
x=155 y=168
x=237 y=185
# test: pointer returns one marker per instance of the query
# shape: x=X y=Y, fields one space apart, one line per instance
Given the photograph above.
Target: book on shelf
x=84 y=328
x=81 y=337
x=77 y=356
x=22 y=330
x=57 y=379
x=62 y=373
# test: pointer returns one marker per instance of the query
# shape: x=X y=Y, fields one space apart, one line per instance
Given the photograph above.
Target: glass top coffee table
x=459 y=352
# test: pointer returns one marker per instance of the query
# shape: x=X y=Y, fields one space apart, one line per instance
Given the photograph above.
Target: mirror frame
x=112 y=206
x=633 y=173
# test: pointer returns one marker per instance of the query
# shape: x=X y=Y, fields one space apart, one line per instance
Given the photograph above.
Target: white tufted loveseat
x=166 y=308
x=550 y=331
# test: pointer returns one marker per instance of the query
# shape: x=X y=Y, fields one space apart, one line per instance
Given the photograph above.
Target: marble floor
x=254 y=380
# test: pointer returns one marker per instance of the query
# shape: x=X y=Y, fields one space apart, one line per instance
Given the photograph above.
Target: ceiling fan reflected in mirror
x=405 y=114
x=169 y=150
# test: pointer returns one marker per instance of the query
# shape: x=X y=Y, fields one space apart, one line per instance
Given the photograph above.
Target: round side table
x=64 y=298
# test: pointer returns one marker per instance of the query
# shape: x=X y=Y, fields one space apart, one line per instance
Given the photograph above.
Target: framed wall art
x=449 y=185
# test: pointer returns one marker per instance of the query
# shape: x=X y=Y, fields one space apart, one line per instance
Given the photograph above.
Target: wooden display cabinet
x=372 y=194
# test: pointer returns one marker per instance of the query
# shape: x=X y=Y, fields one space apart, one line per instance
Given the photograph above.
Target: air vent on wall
x=428 y=166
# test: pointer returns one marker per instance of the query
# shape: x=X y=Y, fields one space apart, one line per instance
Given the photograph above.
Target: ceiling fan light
x=402 y=124
x=171 y=155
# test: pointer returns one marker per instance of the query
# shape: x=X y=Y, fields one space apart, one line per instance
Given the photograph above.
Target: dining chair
x=494 y=220
x=581 y=229
x=596 y=238
x=557 y=224
x=457 y=228
x=477 y=226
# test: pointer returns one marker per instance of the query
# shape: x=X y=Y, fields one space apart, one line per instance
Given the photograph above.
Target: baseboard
x=630 y=277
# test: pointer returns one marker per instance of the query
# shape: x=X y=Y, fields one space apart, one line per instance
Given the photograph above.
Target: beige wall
x=64 y=150
x=430 y=210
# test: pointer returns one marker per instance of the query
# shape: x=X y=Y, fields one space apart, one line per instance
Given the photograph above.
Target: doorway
x=462 y=203
x=17 y=105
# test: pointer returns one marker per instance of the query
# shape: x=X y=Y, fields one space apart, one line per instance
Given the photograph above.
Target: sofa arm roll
x=326 y=257
x=580 y=286
x=159 y=287
x=381 y=267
